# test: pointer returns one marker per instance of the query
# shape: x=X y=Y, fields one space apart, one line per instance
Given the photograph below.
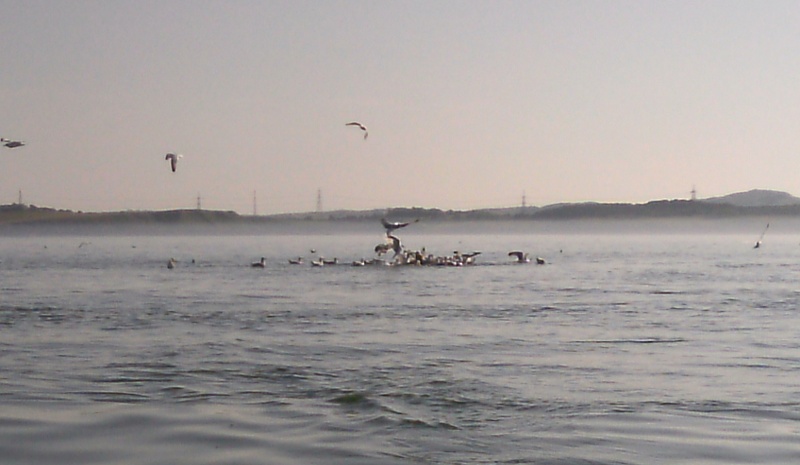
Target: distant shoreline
x=677 y=216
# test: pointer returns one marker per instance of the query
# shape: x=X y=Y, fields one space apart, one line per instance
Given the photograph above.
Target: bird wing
x=389 y=225
x=396 y=246
x=360 y=126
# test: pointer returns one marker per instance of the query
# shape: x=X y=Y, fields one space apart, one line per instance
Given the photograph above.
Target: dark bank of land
x=752 y=204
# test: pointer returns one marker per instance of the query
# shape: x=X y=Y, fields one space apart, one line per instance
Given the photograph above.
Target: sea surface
x=622 y=349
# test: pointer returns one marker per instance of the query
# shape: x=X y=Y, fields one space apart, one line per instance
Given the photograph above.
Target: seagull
x=360 y=126
x=171 y=263
x=12 y=144
x=521 y=257
x=261 y=264
x=173 y=160
x=396 y=245
x=469 y=258
x=297 y=261
x=381 y=249
x=390 y=227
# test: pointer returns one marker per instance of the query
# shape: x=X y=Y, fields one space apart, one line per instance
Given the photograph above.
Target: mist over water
x=625 y=349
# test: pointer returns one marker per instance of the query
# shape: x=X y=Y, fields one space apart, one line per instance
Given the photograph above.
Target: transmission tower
x=319 y=200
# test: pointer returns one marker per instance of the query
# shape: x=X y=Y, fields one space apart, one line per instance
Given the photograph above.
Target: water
x=632 y=349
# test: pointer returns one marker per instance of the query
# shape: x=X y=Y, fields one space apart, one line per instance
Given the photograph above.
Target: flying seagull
x=390 y=227
x=396 y=245
x=173 y=160
x=11 y=143
x=360 y=126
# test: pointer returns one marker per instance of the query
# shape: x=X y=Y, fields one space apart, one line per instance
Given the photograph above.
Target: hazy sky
x=468 y=103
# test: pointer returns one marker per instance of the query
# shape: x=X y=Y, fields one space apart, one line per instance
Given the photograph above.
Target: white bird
x=261 y=264
x=360 y=126
x=758 y=242
x=390 y=227
x=11 y=143
x=381 y=249
x=521 y=257
x=173 y=160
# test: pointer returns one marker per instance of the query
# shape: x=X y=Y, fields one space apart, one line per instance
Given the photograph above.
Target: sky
x=469 y=104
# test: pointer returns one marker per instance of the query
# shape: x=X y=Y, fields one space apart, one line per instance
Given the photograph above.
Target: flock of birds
x=172 y=158
x=402 y=256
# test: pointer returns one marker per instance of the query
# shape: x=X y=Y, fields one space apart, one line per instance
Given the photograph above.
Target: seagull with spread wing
x=390 y=227
x=360 y=126
x=12 y=144
x=173 y=160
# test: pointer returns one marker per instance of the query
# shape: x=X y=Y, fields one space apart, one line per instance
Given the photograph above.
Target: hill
x=757 y=198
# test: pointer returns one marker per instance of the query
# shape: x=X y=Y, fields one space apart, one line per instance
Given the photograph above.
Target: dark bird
x=761 y=238
x=396 y=245
x=261 y=264
x=360 y=126
x=12 y=144
x=521 y=257
x=173 y=160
